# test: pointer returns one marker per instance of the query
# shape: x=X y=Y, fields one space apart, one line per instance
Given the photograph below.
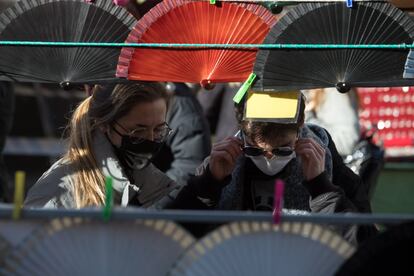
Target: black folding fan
x=62 y=21
x=334 y=23
x=409 y=66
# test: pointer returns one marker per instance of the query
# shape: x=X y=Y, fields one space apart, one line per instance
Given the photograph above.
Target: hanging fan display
x=334 y=23
x=62 y=21
x=181 y=21
x=389 y=253
x=264 y=249
x=75 y=246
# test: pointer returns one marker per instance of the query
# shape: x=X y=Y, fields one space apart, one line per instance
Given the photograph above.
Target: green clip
x=108 y=199
x=212 y=2
x=243 y=89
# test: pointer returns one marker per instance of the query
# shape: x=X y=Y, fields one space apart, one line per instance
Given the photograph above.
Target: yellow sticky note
x=276 y=105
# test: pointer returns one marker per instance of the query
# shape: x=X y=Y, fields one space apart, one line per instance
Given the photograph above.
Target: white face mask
x=273 y=165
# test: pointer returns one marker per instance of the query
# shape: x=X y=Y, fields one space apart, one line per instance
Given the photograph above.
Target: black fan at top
x=334 y=23
x=62 y=20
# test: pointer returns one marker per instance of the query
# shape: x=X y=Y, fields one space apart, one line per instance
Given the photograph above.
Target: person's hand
x=223 y=157
x=313 y=157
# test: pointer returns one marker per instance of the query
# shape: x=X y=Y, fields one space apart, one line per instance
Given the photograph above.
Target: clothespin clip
x=349 y=3
x=212 y=2
x=243 y=89
x=121 y=3
x=107 y=210
x=278 y=200
x=19 y=181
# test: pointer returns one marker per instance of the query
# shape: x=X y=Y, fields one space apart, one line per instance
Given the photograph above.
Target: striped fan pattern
x=334 y=23
x=245 y=248
x=62 y=20
x=180 y=21
x=75 y=246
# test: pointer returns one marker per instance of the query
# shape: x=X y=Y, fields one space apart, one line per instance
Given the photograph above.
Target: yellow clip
x=19 y=182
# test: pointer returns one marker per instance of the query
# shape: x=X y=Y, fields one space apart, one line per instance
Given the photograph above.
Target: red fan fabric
x=183 y=21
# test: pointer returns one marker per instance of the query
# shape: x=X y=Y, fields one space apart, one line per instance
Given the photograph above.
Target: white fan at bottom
x=84 y=247
x=265 y=249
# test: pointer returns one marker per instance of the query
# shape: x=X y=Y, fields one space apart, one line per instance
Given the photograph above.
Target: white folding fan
x=4 y=248
x=12 y=233
x=75 y=246
x=264 y=249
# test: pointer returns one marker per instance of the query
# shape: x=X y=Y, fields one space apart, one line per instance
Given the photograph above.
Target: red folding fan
x=183 y=21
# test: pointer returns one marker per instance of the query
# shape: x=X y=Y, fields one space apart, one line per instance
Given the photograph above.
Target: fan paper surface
x=74 y=246
x=334 y=23
x=265 y=249
x=409 y=65
x=12 y=233
x=180 y=21
x=62 y=21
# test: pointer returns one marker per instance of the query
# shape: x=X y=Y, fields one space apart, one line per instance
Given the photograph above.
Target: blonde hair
x=102 y=109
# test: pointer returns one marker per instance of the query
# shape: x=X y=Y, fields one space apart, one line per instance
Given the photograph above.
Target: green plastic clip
x=243 y=89
x=212 y=2
x=107 y=211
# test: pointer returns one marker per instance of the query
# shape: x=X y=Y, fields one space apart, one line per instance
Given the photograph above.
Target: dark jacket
x=189 y=143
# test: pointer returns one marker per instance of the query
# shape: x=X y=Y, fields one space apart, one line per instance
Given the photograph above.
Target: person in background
x=218 y=108
x=338 y=113
x=189 y=143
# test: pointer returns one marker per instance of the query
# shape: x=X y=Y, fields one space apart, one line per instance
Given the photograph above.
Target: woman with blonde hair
x=115 y=132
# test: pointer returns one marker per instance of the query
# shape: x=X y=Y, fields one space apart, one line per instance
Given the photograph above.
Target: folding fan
x=181 y=21
x=389 y=253
x=409 y=65
x=12 y=233
x=73 y=246
x=4 y=248
x=62 y=21
x=334 y=23
x=265 y=249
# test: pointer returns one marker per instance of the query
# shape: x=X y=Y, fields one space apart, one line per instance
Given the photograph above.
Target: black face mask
x=136 y=154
